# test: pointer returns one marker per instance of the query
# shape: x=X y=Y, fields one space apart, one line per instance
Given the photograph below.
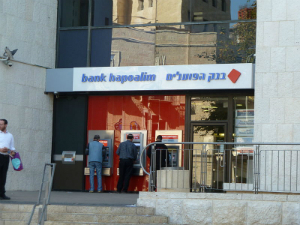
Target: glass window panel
x=210 y=172
x=209 y=108
x=102 y=13
x=205 y=44
x=133 y=46
x=243 y=120
x=128 y=12
x=215 y=10
x=169 y=45
x=244 y=102
x=101 y=48
x=74 y=13
x=72 y=52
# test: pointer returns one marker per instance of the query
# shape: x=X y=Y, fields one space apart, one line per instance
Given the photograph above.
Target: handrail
x=47 y=194
x=256 y=170
x=213 y=143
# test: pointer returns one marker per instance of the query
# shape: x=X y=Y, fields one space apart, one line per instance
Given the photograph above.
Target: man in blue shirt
x=128 y=154
x=95 y=152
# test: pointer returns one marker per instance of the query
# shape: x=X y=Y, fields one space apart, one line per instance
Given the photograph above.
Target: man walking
x=128 y=154
x=95 y=152
x=6 y=148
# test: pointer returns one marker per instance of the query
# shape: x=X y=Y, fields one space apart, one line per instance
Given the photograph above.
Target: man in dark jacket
x=128 y=154
x=162 y=154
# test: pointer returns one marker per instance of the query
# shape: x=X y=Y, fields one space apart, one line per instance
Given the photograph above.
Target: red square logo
x=234 y=75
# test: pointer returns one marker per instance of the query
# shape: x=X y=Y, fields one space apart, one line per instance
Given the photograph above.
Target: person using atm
x=95 y=151
x=162 y=154
x=128 y=154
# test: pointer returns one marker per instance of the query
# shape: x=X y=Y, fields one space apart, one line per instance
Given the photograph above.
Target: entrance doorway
x=208 y=164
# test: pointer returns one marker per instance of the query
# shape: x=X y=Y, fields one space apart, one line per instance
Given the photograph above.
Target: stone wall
x=277 y=78
x=216 y=208
x=30 y=27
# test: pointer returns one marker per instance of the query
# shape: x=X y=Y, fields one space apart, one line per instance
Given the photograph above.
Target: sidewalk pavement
x=74 y=198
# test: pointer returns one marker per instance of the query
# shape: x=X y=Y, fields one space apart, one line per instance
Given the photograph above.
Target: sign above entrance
x=141 y=78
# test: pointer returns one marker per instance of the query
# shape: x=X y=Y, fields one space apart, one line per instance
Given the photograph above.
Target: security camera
x=7 y=62
x=7 y=56
x=8 y=53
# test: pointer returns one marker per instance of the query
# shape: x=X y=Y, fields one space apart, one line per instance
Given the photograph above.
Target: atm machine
x=140 y=141
x=106 y=138
x=169 y=137
x=173 y=156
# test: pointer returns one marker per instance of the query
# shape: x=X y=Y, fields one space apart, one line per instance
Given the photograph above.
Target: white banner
x=182 y=77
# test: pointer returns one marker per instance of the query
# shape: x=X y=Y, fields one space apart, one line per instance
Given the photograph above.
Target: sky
x=235 y=7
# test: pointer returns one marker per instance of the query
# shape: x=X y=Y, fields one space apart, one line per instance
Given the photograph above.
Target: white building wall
x=277 y=91
x=30 y=27
x=277 y=79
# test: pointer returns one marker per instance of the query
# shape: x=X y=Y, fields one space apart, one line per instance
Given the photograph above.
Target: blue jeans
x=98 y=167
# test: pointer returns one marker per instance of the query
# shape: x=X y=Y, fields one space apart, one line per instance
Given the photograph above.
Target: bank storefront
x=197 y=103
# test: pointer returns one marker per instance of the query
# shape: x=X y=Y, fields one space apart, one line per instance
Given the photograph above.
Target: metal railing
x=47 y=184
x=225 y=166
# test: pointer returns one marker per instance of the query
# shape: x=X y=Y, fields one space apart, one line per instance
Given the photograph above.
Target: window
x=141 y=5
x=214 y=3
x=112 y=64
x=150 y=3
x=209 y=108
x=224 y=5
x=74 y=13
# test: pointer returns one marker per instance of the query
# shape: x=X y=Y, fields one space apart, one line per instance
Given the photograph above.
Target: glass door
x=208 y=163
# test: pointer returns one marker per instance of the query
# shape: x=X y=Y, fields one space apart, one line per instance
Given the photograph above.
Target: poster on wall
x=244 y=122
x=244 y=131
x=243 y=139
x=244 y=113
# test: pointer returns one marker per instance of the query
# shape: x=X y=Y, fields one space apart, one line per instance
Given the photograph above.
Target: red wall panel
x=138 y=112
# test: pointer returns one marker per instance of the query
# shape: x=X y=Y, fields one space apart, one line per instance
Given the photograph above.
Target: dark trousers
x=125 y=171
x=4 y=162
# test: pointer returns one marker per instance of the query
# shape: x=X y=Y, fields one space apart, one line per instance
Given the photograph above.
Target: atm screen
x=138 y=153
x=173 y=156
x=105 y=155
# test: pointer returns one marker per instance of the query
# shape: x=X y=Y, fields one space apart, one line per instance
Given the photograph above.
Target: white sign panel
x=244 y=132
x=244 y=122
x=182 y=77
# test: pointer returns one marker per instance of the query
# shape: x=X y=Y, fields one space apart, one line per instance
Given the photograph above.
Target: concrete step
x=80 y=209
x=106 y=218
x=16 y=207
x=14 y=215
x=14 y=222
x=91 y=223
x=100 y=210
x=11 y=214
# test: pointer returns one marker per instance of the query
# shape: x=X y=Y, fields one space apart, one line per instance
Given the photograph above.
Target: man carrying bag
x=7 y=149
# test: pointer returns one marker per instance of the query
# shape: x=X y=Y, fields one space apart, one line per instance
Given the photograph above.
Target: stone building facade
x=30 y=27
